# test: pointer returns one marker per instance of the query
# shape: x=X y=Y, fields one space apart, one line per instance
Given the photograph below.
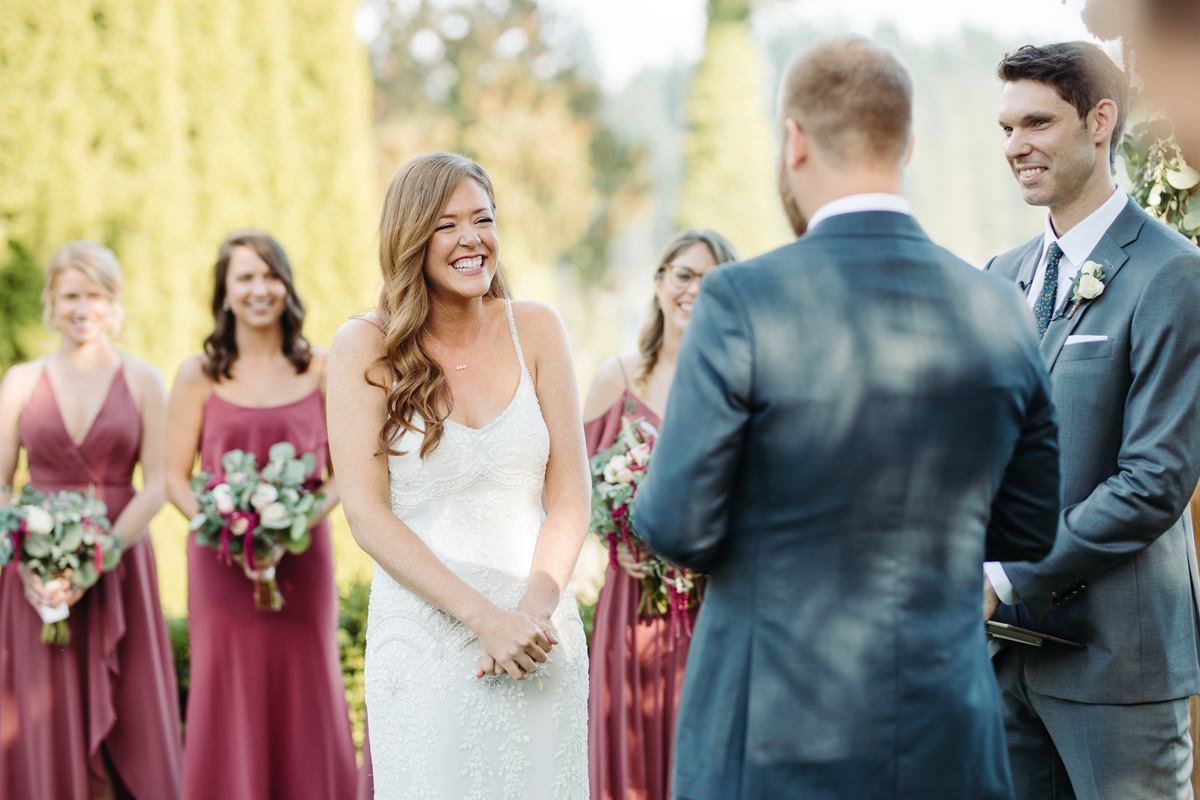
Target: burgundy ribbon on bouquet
x=18 y=536
x=97 y=557
x=223 y=552
x=248 y=537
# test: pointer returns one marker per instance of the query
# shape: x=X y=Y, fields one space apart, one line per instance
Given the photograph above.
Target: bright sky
x=630 y=35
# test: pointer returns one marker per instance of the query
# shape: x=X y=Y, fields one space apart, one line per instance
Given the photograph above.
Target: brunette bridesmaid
x=98 y=717
x=266 y=713
x=637 y=662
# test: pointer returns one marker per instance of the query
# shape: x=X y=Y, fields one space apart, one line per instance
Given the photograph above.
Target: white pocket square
x=1081 y=338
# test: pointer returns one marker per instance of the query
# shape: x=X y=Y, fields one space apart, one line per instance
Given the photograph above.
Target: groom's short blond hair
x=852 y=97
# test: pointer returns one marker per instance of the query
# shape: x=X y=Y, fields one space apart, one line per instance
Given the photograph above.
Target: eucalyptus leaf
x=71 y=537
x=37 y=546
x=276 y=524
x=1183 y=178
x=295 y=472
x=298 y=546
x=282 y=451
x=85 y=575
x=110 y=556
x=1192 y=220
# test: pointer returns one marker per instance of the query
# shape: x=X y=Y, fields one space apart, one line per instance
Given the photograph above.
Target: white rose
x=1090 y=287
x=625 y=476
x=38 y=520
x=223 y=495
x=273 y=514
x=1091 y=268
x=615 y=466
x=640 y=454
x=264 y=495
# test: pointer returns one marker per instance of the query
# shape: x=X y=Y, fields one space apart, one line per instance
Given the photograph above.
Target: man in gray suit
x=1114 y=294
x=857 y=419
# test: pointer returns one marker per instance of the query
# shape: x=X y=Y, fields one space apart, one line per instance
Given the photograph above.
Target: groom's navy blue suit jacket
x=858 y=420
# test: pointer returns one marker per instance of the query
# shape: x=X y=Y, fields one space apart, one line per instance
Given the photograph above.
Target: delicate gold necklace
x=458 y=367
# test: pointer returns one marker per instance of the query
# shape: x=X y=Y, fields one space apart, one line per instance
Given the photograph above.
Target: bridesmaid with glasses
x=97 y=717
x=637 y=662
x=266 y=712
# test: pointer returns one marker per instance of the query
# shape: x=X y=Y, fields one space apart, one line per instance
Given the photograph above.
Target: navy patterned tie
x=1043 y=309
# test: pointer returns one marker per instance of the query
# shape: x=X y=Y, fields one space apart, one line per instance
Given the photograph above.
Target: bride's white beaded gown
x=436 y=730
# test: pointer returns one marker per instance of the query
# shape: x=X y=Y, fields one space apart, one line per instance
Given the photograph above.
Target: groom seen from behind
x=857 y=419
x=1113 y=292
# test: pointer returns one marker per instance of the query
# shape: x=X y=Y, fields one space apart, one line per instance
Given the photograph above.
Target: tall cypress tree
x=730 y=147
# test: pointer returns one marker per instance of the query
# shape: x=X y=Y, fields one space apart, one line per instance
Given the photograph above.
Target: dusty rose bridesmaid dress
x=106 y=703
x=266 y=713
x=636 y=667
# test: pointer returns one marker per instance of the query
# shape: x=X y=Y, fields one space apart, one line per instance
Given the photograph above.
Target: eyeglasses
x=682 y=277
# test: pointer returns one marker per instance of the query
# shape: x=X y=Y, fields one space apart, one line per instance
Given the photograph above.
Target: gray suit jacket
x=1122 y=574
x=857 y=419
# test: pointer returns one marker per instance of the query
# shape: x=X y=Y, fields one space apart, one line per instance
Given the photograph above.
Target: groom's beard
x=795 y=216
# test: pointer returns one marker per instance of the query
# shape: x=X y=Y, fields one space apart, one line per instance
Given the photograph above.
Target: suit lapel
x=1029 y=266
x=1109 y=253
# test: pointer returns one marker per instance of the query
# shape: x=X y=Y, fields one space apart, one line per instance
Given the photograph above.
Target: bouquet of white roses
x=616 y=473
x=59 y=536
x=254 y=516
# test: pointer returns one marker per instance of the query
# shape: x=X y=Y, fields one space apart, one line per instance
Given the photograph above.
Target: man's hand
x=991 y=601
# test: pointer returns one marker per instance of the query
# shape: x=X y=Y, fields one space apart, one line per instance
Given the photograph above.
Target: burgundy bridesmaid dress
x=266 y=712
x=636 y=666
x=107 y=703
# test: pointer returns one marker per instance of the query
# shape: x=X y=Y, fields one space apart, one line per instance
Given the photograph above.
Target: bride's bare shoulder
x=359 y=340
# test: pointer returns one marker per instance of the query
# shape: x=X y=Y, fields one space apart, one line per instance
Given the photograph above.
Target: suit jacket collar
x=1111 y=254
x=867 y=223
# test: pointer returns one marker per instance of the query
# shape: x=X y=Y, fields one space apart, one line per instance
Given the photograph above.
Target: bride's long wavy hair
x=417 y=392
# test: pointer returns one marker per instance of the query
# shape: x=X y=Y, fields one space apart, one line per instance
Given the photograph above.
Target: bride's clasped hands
x=514 y=643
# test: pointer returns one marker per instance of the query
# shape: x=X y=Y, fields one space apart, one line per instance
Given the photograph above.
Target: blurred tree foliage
x=483 y=79
x=156 y=126
x=730 y=147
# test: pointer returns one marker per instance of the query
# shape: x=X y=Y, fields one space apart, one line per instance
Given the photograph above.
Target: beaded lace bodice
x=436 y=731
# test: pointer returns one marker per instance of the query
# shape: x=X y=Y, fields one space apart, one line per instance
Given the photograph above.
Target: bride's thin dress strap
x=370 y=319
x=512 y=329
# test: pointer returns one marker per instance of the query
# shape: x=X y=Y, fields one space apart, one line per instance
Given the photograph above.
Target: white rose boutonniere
x=1088 y=283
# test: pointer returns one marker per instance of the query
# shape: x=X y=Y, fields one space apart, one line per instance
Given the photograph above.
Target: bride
x=472 y=497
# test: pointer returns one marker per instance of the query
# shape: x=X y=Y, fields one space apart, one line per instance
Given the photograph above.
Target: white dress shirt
x=854 y=203
x=1077 y=244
